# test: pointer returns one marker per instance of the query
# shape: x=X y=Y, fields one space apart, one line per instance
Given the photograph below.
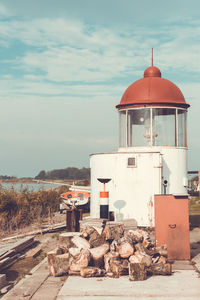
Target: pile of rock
x=113 y=252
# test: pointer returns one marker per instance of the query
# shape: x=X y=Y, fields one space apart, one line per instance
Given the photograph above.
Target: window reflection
x=122 y=129
x=163 y=125
x=152 y=127
x=181 y=127
x=139 y=127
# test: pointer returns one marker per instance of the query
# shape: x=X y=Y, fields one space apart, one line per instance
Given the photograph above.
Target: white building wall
x=136 y=186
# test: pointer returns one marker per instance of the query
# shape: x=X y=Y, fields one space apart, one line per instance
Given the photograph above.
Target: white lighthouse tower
x=152 y=154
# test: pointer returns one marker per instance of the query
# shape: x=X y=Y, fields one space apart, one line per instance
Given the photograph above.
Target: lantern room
x=152 y=155
x=152 y=112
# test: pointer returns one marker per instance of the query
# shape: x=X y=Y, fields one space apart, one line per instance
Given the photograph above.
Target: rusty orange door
x=172 y=225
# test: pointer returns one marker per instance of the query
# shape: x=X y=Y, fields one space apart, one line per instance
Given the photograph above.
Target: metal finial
x=152 y=58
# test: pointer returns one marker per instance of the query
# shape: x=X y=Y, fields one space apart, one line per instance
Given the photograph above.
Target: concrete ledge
x=183 y=284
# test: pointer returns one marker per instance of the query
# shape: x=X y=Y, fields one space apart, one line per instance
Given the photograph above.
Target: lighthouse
x=152 y=154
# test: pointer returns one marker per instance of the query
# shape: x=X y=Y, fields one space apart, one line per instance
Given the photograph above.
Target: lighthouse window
x=122 y=129
x=155 y=126
x=182 y=128
x=139 y=127
x=163 y=127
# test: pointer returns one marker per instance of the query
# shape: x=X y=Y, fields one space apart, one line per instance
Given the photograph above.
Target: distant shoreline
x=32 y=180
x=15 y=180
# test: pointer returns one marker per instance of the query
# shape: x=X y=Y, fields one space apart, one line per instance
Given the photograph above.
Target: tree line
x=69 y=173
x=5 y=177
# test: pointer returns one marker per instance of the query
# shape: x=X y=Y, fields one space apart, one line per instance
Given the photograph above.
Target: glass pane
x=122 y=129
x=181 y=127
x=139 y=133
x=163 y=124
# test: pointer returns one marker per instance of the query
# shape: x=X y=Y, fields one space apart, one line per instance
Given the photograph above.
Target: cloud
x=4 y=11
x=61 y=78
x=36 y=86
x=70 y=51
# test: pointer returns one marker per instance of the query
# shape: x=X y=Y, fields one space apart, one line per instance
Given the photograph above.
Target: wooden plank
x=11 y=253
x=3 y=280
x=32 y=253
x=23 y=243
x=28 y=286
x=7 y=253
x=8 y=261
x=52 y=228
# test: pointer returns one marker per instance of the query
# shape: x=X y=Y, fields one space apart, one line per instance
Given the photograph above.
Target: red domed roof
x=152 y=72
x=152 y=90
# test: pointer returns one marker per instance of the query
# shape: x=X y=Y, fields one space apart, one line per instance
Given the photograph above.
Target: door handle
x=172 y=226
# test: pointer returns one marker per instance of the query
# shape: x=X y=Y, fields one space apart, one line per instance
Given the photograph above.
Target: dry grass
x=20 y=209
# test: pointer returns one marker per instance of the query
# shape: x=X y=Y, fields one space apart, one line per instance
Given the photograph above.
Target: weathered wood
x=141 y=248
x=80 y=242
x=32 y=253
x=155 y=258
x=65 y=239
x=134 y=235
x=74 y=251
x=81 y=261
x=3 y=280
x=19 y=245
x=8 y=261
x=75 y=273
x=51 y=255
x=131 y=252
x=52 y=228
x=162 y=259
x=113 y=246
x=144 y=233
x=29 y=285
x=92 y=272
x=7 y=253
x=119 y=268
x=69 y=240
x=99 y=251
x=125 y=249
x=87 y=231
x=93 y=236
x=137 y=272
x=117 y=242
x=5 y=289
x=147 y=243
x=60 y=250
x=98 y=254
x=160 y=268
x=97 y=223
x=140 y=258
x=113 y=230
x=73 y=216
x=58 y=264
x=162 y=250
x=108 y=258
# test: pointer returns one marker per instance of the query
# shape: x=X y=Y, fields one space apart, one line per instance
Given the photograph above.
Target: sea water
x=32 y=187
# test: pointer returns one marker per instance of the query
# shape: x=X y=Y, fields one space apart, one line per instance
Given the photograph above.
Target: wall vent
x=131 y=162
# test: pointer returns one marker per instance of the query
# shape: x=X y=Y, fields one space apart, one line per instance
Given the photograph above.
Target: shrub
x=19 y=209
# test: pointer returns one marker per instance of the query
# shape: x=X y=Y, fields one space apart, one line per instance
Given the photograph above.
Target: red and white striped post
x=104 y=199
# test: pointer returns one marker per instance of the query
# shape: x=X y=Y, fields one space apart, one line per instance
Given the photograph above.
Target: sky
x=64 y=66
